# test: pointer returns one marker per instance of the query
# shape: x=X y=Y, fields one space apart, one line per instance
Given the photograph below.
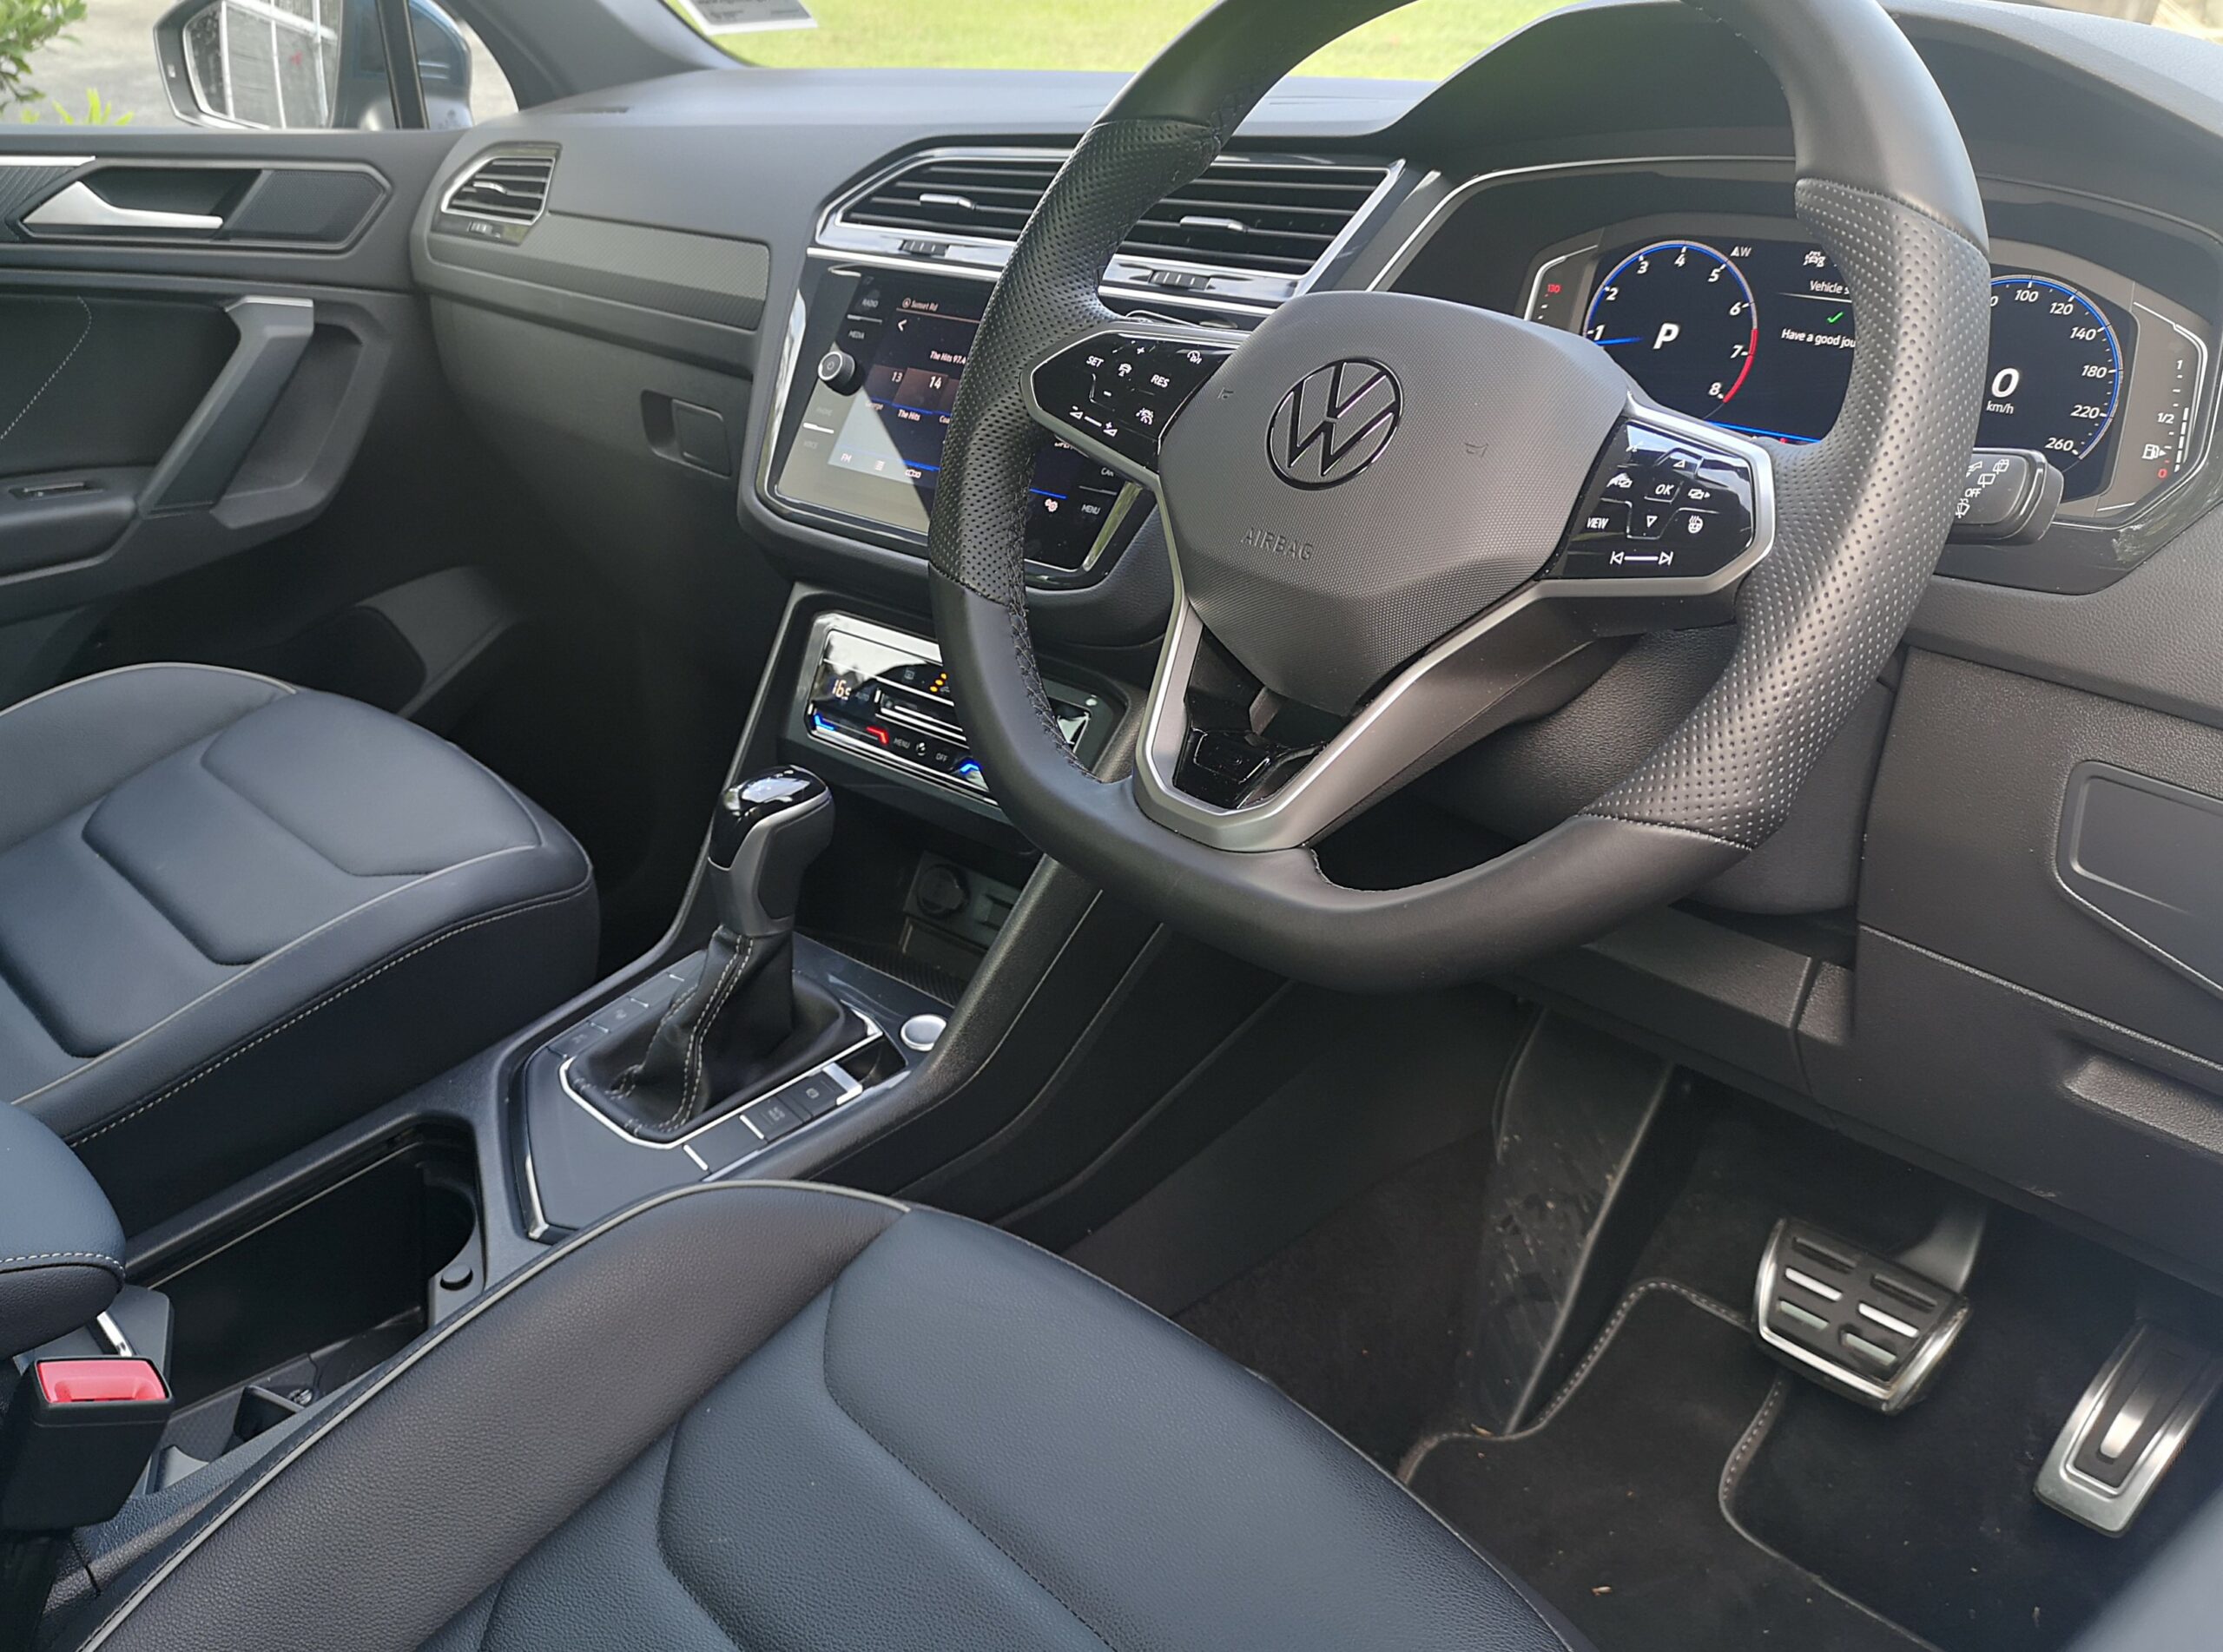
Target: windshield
x=1427 y=40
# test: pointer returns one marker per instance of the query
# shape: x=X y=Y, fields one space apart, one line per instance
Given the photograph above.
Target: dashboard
x=736 y=398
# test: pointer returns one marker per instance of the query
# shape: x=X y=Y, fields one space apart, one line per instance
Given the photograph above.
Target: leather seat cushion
x=190 y=858
x=756 y=1415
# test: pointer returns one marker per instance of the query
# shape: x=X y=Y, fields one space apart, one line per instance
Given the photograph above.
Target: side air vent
x=509 y=188
x=1275 y=217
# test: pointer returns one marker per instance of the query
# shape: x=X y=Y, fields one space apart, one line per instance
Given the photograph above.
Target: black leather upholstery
x=61 y=1250
x=234 y=914
x=766 y=1416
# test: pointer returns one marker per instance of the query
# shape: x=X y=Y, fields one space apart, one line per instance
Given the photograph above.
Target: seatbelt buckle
x=78 y=1436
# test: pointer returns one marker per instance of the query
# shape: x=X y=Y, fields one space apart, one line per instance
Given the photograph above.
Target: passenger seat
x=235 y=914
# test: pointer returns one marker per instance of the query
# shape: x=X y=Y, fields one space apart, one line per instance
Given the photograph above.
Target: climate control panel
x=880 y=695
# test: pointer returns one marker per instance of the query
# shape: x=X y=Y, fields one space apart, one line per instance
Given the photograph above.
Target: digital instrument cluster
x=1756 y=333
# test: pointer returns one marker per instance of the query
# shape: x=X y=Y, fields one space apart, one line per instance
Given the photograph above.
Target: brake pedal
x=1861 y=1324
x=2128 y=1428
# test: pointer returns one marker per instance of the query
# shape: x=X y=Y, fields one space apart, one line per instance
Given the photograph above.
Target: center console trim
x=852 y=1090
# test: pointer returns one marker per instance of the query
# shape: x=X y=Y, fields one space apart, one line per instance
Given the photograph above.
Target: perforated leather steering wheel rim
x=1884 y=182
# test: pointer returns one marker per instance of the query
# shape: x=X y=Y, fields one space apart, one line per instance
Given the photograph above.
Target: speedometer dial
x=2056 y=370
x=1680 y=319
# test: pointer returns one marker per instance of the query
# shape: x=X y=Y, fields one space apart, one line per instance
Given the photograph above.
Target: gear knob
x=769 y=829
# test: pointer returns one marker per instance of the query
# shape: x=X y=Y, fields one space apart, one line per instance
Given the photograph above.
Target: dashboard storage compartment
x=1980 y=771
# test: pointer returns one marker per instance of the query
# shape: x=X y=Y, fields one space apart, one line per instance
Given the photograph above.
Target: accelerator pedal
x=1861 y=1324
x=2128 y=1428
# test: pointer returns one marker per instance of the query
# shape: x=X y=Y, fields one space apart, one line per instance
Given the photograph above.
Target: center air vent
x=509 y=188
x=1275 y=216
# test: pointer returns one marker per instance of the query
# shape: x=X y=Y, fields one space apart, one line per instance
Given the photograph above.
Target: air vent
x=509 y=188
x=989 y=197
x=1275 y=216
x=1256 y=215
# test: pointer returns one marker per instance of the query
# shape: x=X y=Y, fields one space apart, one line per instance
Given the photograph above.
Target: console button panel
x=1659 y=505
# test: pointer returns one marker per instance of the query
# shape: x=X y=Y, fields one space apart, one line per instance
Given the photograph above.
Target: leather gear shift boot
x=748 y=1025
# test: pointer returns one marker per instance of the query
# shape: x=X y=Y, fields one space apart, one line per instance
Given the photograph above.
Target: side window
x=240 y=65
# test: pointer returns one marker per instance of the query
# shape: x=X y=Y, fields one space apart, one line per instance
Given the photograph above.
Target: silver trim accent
x=61 y=162
x=2063 y=1485
x=1536 y=282
x=1425 y=231
x=1429 y=711
x=470 y=175
x=80 y=208
x=913 y=647
x=836 y=234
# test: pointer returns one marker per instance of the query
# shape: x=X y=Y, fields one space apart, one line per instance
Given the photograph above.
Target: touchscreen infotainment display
x=869 y=444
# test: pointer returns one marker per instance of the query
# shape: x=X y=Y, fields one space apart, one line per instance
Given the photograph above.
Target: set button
x=1125 y=392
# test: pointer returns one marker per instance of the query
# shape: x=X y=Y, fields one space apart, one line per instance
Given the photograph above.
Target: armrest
x=60 y=1246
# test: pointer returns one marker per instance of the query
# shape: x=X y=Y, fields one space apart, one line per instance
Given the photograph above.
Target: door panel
x=197 y=330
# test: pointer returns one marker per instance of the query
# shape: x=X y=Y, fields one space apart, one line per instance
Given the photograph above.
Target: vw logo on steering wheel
x=1334 y=423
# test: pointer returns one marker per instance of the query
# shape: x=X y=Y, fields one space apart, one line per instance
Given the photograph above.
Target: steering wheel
x=1397 y=522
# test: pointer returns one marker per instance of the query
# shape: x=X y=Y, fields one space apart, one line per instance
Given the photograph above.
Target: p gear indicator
x=1679 y=318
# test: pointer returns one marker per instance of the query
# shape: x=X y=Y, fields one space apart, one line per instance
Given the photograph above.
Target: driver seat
x=769 y=1415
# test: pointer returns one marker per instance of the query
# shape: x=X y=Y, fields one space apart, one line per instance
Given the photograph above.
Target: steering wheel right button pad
x=1660 y=504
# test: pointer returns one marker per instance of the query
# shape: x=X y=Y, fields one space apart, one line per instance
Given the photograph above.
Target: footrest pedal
x=1859 y=1324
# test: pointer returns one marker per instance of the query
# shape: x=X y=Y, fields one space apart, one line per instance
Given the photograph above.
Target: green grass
x=1426 y=41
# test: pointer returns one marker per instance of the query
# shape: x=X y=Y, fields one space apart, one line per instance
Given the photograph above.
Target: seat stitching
x=696 y=1070
x=24 y=412
x=325 y=1001
x=262 y=963
x=826 y=1382
x=29 y=700
x=365 y=1389
x=116 y=1262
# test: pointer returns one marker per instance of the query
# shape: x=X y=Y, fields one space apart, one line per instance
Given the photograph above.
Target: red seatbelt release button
x=82 y=1382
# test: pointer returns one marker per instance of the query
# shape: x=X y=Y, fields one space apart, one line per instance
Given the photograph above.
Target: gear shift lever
x=768 y=832
x=746 y=1023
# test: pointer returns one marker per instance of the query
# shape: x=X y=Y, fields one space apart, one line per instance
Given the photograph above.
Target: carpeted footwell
x=1612 y=1505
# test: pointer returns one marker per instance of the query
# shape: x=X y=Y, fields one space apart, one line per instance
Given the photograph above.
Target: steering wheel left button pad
x=1119 y=392
x=1660 y=505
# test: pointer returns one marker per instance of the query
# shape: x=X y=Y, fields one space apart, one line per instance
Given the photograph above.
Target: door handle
x=80 y=208
x=205 y=456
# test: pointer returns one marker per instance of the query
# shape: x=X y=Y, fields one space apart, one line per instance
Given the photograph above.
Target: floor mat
x=1611 y=1506
x=1930 y=1517
x=1359 y=1321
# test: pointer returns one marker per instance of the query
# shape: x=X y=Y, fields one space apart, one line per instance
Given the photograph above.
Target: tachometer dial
x=1680 y=319
x=2056 y=372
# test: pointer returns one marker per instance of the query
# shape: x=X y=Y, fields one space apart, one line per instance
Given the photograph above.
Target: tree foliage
x=27 y=26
